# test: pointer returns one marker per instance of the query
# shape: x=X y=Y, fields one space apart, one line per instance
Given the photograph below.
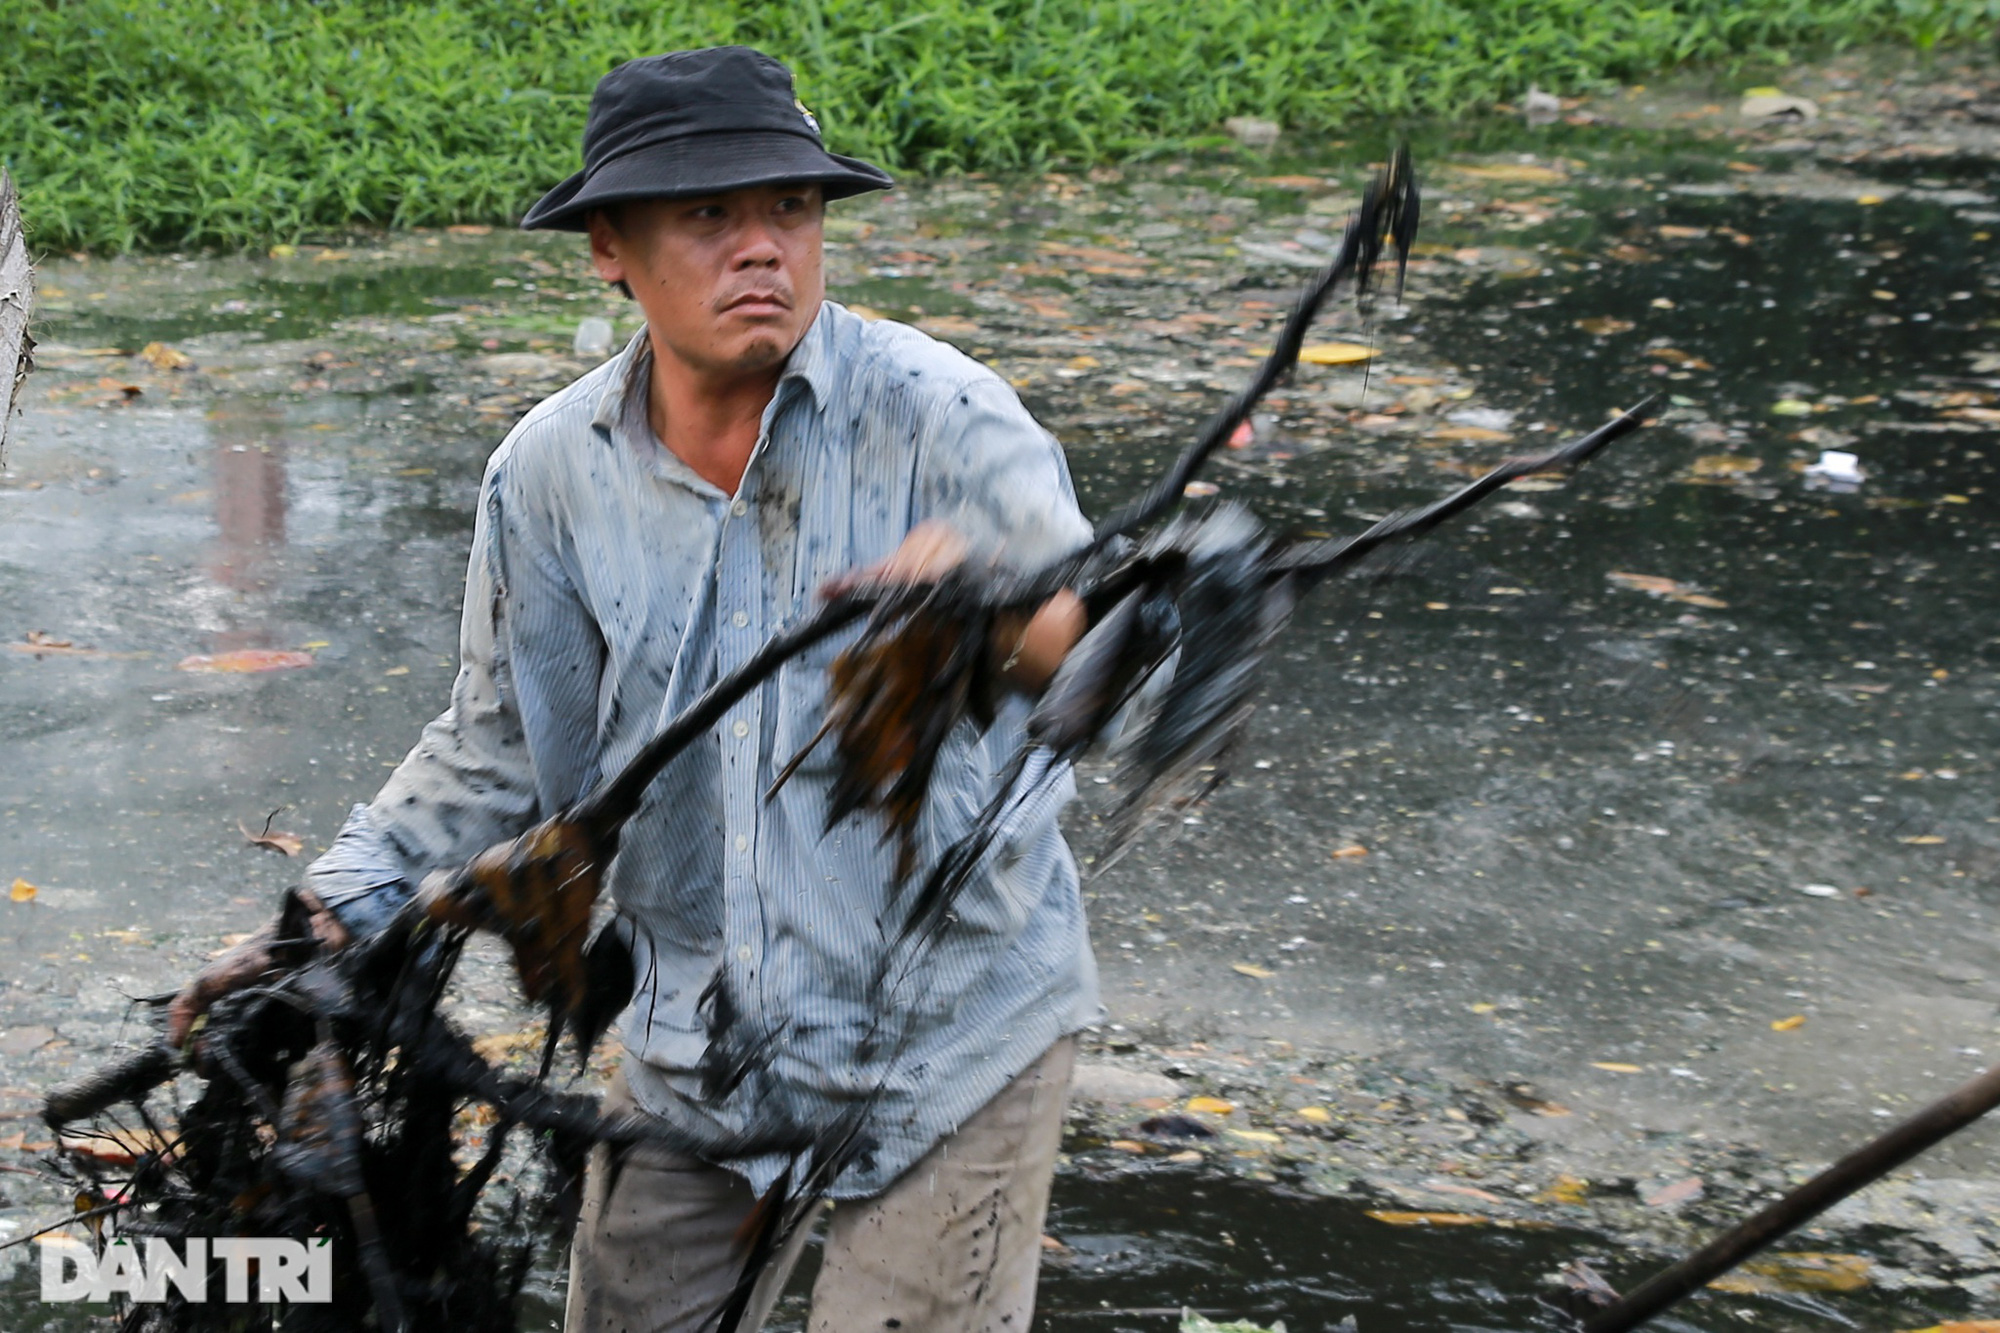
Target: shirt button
x=743 y=952
x=740 y=508
x=741 y=729
x=742 y=842
x=740 y=619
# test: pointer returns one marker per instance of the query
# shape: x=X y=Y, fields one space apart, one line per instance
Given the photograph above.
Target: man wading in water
x=645 y=529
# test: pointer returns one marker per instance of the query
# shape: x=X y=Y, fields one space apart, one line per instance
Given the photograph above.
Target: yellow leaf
x=1401 y=1219
x=1725 y=465
x=397 y=671
x=1792 y=1024
x=164 y=357
x=1615 y=1067
x=1869 y=200
x=245 y=660
x=1484 y=1008
x=1792 y=407
x=1604 y=326
x=1652 y=583
x=1958 y=499
x=1567 y=1189
x=1255 y=1135
x=316 y=644
x=1814 y=1272
x=1700 y=599
x=1923 y=840
x=1518 y=172
x=1349 y=851
x=1252 y=970
x=1318 y=1115
x=283 y=251
x=1128 y=1145
x=1210 y=1105
x=22 y=892
x=1335 y=354
x=1471 y=434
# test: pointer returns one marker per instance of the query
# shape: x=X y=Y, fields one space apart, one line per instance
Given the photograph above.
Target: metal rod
x=1865 y=1165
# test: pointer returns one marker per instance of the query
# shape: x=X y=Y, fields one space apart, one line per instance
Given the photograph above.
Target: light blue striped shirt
x=607 y=586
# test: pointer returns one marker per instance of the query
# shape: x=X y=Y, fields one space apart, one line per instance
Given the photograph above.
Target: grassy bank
x=229 y=122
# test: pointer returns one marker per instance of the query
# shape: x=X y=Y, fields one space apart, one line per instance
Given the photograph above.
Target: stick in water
x=1860 y=1168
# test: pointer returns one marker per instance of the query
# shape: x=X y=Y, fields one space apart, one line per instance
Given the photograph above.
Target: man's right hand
x=250 y=962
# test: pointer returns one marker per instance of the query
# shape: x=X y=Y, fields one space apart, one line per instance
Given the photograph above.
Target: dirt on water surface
x=1590 y=873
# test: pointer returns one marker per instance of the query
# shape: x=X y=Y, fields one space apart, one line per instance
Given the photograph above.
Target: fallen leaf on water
x=1749 y=168
x=1184 y=1156
x=1352 y=849
x=469 y=229
x=1318 y=1115
x=1200 y=490
x=1401 y=1219
x=1470 y=434
x=1798 y=1272
x=1923 y=840
x=1252 y=970
x=291 y=844
x=1792 y=1024
x=1673 y=591
x=1616 y=1067
x=1523 y=172
x=1668 y=1196
x=1604 y=325
x=1673 y=232
x=1568 y=1189
x=1483 y=1008
x=23 y=892
x=500 y=1045
x=1289 y=182
x=1335 y=354
x=1679 y=358
x=1210 y=1106
x=245 y=660
x=1128 y=1145
x=1255 y=1136
x=1724 y=465
x=397 y=671
x=164 y=357
x=124 y=936
x=1243 y=436
x=1792 y=407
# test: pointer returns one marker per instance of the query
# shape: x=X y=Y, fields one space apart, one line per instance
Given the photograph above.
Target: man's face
x=729 y=282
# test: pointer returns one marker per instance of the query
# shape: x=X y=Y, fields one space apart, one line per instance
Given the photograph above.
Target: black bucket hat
x=697 y=122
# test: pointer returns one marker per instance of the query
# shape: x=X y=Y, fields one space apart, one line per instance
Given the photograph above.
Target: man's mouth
x=758 y=303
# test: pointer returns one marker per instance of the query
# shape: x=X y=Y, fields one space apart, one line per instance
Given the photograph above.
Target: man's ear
x=607 y=249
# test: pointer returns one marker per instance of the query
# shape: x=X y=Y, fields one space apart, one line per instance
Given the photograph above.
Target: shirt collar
x=811 y=363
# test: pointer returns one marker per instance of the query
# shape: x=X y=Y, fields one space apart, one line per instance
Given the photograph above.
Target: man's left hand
x=1029 y=646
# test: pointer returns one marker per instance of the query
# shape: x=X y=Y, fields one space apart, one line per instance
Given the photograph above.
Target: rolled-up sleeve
x=472 y=779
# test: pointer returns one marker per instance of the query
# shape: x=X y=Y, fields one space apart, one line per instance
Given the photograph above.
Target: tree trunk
x=17 y=303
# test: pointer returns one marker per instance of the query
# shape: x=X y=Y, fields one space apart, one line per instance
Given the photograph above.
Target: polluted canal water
x=1590 y=871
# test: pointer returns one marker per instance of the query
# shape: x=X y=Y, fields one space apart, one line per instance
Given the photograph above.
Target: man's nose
x=757 y=246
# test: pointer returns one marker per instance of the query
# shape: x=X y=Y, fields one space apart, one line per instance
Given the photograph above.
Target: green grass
x=234 y=122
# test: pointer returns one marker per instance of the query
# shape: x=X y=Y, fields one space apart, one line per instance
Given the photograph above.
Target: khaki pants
x=953 y=1246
